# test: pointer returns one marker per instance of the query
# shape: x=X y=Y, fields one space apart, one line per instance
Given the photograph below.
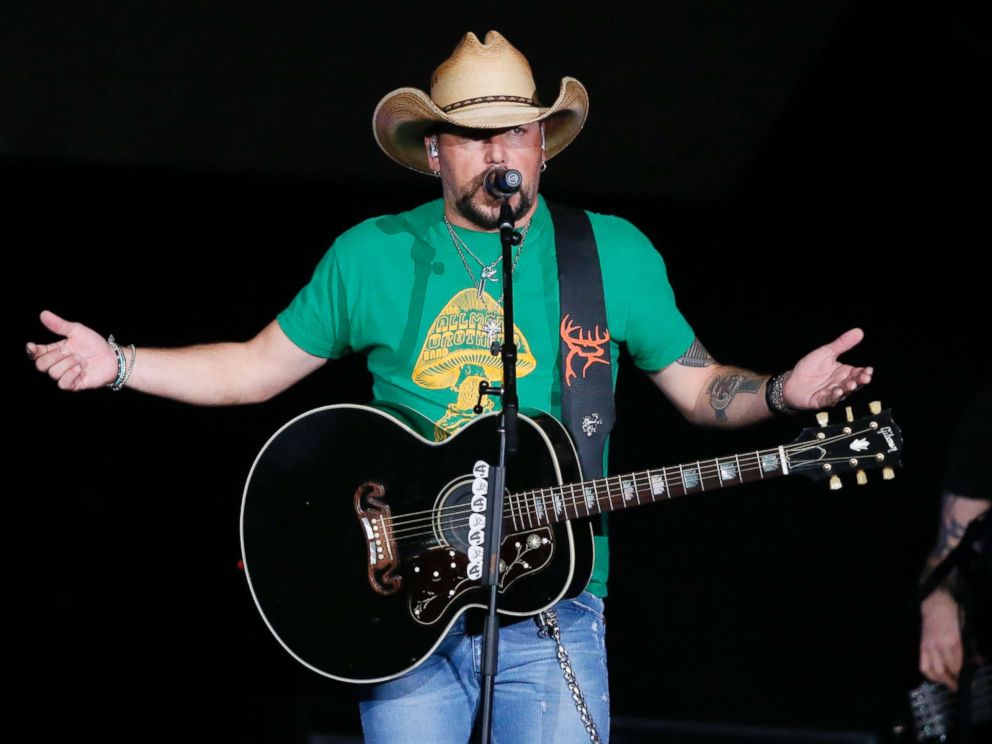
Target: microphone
x=502 y=184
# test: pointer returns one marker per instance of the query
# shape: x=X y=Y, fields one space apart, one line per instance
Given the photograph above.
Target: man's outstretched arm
x=207 y=374
x=712 y=394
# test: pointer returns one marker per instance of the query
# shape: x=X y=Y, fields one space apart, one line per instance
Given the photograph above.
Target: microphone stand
x=507 y=431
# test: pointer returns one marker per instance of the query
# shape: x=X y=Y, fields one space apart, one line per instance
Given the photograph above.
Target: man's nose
x=495 y=149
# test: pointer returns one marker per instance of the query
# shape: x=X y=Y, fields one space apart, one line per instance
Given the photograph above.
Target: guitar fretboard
x=544 y=506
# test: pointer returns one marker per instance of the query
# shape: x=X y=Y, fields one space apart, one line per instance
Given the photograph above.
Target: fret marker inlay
x=690 y=476
x=590 y=495
x=769 y=462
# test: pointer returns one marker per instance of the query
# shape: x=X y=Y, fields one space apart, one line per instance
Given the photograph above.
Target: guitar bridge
x=375 y=519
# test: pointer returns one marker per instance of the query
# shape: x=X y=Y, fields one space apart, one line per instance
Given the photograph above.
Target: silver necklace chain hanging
x=487 y=272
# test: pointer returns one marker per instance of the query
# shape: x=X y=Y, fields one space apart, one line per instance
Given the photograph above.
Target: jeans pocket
x=590 y=604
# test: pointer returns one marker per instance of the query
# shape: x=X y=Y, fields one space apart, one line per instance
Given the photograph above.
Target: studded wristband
x=775 y=395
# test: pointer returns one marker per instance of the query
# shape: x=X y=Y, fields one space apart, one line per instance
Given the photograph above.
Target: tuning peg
x=875 y=407
x=835 y=483
x=862 y=477
x=849 y=412
x=888 y=473
x=822 y=418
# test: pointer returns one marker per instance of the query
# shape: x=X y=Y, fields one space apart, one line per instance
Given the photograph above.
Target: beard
x=475 y=204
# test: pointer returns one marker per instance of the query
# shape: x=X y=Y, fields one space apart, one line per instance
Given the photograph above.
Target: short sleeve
x=641 y=303
x=317 y=318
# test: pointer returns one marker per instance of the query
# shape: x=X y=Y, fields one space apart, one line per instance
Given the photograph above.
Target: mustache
x=479 y=181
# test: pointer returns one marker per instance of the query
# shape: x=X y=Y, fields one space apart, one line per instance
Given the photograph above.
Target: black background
x=177 y=170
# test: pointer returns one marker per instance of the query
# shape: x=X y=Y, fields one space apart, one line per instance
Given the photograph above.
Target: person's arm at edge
x=941 y=654
x=227 y=373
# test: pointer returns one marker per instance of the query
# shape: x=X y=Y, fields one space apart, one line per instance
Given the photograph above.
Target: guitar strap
x=587 y=408
x=587 y=405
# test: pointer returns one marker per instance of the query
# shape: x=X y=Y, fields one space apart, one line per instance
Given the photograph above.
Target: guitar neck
x=572 y=501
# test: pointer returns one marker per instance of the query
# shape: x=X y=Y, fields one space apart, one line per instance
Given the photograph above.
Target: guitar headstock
x=852 y=446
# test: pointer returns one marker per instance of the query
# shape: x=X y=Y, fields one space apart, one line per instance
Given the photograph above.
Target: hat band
x=488 y=99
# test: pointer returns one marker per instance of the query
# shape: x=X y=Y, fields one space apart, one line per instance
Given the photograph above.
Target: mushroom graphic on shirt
x=455 y=355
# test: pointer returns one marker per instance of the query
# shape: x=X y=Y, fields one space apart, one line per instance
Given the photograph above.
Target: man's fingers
x=55 y=324
x=66 y=381
x=62 y=366
x=847 y=340
x=932 y=667
x=53 y=354
x=36 y=351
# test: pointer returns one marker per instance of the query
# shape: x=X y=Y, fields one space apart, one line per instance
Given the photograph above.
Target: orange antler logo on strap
x=589 y=346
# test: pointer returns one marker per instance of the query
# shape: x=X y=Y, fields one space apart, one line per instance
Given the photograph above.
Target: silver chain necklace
x=487 y=272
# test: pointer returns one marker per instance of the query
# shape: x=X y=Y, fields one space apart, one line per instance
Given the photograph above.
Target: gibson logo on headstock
x=886 y=431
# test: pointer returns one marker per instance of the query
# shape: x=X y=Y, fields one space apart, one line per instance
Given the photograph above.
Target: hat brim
x=403 y=117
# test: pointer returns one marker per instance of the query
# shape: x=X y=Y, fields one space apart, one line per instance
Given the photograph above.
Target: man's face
x=466 y=156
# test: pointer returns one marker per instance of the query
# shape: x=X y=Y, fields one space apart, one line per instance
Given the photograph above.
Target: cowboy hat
x=482 y=85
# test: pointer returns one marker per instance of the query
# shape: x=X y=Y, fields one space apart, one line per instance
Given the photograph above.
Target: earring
x=436 y=173
x=433 y=146
x=544 y=165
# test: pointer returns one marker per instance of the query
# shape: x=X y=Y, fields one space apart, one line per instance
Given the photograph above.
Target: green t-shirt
x=395 y=289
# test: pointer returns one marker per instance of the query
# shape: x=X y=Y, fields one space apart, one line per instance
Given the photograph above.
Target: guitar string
x=704 y=473
x=454 y=519
x=946 y=707
x=638 y=481
x=707 y=471
x=981 y=683
x=568 y=491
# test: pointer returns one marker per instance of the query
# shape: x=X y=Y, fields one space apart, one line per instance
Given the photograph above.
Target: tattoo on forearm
x=950 y=533
x=696 y=356
x=724 y=389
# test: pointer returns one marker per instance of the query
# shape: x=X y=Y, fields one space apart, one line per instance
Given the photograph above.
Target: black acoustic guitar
x=361 y=537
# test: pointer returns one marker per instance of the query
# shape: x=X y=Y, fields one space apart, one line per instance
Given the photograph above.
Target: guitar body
x=351 y=554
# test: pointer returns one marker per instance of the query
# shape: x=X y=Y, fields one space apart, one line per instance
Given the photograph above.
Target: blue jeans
x=438 y=701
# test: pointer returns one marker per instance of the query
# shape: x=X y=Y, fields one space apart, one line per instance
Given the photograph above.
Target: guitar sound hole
x=452 y=518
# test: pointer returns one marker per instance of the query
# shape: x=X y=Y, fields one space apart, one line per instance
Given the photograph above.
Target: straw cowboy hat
x=482 y=85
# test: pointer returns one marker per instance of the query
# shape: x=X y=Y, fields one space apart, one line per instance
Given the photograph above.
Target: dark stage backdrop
x=178 y=170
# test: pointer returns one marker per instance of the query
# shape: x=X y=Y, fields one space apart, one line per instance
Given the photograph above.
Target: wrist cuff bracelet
x=775 y=395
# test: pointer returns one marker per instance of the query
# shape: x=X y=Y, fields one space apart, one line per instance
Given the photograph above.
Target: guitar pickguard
x=436 y=578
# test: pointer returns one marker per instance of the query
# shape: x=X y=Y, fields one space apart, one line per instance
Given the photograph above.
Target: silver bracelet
x=130 y=365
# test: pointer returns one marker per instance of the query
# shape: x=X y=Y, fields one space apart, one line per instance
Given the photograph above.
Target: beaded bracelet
x=775 y=394
x=123 y=368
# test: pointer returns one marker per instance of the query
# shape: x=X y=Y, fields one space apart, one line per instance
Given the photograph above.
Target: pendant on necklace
x=492 y=328
x=486 y=273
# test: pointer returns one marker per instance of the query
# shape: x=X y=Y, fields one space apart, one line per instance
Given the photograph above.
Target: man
x=418 y=294
x=966 y=497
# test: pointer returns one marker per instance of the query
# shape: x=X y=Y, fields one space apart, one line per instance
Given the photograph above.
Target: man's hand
x=819 y=380
x=940 y=639
x=82 y=360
